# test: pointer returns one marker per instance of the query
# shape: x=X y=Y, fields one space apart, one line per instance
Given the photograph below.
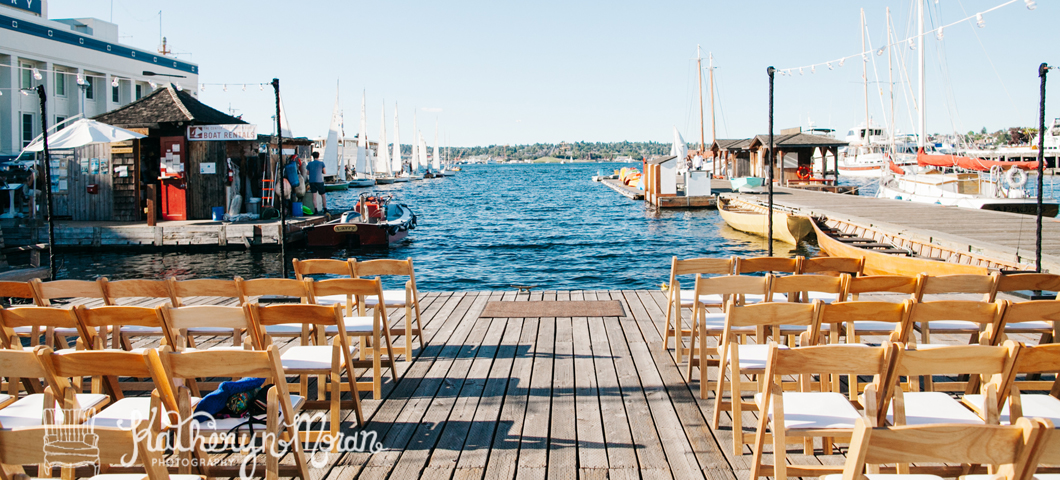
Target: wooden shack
x=184 y=158
x=795 y=150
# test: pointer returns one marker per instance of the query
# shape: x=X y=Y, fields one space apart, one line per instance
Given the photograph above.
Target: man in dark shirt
x=315 y=168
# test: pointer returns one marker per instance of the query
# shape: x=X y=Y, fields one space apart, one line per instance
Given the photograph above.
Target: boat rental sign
x=222 y=132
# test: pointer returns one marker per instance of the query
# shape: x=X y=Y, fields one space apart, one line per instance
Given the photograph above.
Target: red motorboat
x=374 y=221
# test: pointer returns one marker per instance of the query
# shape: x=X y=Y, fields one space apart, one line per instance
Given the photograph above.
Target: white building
x=83 y=67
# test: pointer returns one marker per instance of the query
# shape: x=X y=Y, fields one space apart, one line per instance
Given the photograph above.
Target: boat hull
x=880 y=263
x=361 y=182
x=384 y=180
x=336 y=187
x=354 y=235
x=786 y=227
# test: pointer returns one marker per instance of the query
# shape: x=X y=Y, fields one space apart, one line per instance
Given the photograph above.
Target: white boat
x=997 y=189
x=333 y=178
x=383 y=174
x=866 y=156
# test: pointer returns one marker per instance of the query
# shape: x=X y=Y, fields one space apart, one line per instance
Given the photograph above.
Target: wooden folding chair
x=68 y=289
x=833 y=265
x=805 y=288
x=409 y=298
x=943 y=284
x=746 y=359
x=187 y=292
x=304 y=360
x=371 y=329
x=94 y=320
x=815 y=410
x=287 y=290
x=324 y=266
x=775 y=265
x=957 y=317
x=29 y=410
x=280 y=421
x=995 y=367
x=158 y=410
x=136 y=292
x=1037 y=283
x=1034 y=317
x=182 y=323
x=1032 y=360
x=1011 y=451
x=878 y=315
x=676 y=298
x=21 y=294
x=97 y=447
x=706 y=324
x=56 y=323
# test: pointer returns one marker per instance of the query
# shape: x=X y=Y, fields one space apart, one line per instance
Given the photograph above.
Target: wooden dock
x=1002 y=235
x=506 y=398
x=82 y=234
x=623 y=189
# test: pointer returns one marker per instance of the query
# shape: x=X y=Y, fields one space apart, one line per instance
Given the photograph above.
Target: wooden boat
x=375 y=221
x=336 y=186
x=888 y=254
x=751 y=218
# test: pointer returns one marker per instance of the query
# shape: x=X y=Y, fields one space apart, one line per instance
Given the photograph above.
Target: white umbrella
x=81 y=133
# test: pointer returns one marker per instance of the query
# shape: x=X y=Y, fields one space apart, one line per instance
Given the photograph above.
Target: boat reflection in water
x=758 y=243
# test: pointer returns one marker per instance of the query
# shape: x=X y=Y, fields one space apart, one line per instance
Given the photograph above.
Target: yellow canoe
x=751 y=218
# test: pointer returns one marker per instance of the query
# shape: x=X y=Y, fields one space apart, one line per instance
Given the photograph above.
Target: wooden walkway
x=535 y=398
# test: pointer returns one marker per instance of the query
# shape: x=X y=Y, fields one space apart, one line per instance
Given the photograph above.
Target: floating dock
x=206 y=233
x=623 y=189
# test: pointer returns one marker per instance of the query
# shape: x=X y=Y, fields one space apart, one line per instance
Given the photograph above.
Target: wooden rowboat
x=751 y=218
x=888 y=254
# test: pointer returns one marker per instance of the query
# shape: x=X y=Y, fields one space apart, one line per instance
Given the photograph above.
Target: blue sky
x=493 y=72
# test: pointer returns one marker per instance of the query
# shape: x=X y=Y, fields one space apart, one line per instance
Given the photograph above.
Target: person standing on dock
x=316 y=182
x=291 y=177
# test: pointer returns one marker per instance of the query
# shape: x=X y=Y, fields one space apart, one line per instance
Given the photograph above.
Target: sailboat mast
x=890 y=79
x=865 y=78
x=921 y=130
x=713 y=132
x=699 y=72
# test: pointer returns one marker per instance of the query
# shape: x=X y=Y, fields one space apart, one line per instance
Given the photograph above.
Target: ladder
x=268 y=189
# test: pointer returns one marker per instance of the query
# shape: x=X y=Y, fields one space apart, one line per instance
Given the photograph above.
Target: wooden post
x=152 y=204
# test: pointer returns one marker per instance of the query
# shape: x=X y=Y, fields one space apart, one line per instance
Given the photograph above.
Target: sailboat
x=363 y=168
x=436 y=161
x=382 y=166
x=396 y=164
x=958 y=180
x=334 y=181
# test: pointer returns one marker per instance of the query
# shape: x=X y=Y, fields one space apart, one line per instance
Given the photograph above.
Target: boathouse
x=734 y=154
x=183 y=162
x=795 y=150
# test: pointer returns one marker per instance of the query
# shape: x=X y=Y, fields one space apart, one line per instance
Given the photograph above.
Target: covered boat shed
x=796 y=150
x=734 y=154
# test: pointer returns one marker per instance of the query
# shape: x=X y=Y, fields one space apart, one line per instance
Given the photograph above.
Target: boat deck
x=503 y=398
x=994 y=234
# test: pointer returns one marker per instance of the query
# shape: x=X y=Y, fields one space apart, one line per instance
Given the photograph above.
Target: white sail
x=364 y=166
x=285 y=126
x=383 y=163
x=423 y=152
x=436 y=161
x=331 y=147
x=414 y=164
x=680 y=149
x=395 y=161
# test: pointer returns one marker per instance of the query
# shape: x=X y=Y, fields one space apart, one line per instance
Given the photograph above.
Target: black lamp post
x=1043 y=69
x=47 y=180
x=279 y=181
x=769 y=223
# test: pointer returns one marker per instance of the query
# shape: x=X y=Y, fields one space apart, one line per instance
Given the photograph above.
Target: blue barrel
x=218 y=214
x=296 y=209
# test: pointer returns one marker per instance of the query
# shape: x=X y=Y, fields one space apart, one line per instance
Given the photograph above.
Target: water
x=489 y=227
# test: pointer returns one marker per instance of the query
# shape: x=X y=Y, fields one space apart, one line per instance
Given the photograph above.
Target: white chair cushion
x=27 y=411
x=753 y=357
x=392 y=298
x=124 y=412
x=922 y=408
x=822 y=296
x=1034 y=406
x=284 y=329
x=353 y=325
x=759 y=298
x=688 y=295
x=139 y=476
x=210 y=331
x=714 y=324
x=226 y=424
x=872 y=326
x=1046 y=476
x=1031 y=326
x=4 y=398
x=136 y=329
x=951 y=326
x=331 y=299
x=65 y=332
x=888 y=476
x=309 y=358
x=815 y=410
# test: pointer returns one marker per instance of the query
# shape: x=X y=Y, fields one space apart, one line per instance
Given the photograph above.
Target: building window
x=60 y=84
x=139 y=91
x=27 y=129
x=90 y=82
x=59 y=119
x=115 y=94
x=27 y=75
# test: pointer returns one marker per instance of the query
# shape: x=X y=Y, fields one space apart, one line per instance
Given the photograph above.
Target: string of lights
x=81 y=77
x=911 y=41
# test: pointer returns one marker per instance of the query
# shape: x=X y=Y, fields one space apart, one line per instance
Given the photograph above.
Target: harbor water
x=491 y=227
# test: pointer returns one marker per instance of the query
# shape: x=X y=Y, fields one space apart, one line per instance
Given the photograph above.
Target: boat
x=751 y=218
x=337 y=186
x=375 y=221
x=747 y=184
x=888 y=254
x=361 y=182
x=334 y=181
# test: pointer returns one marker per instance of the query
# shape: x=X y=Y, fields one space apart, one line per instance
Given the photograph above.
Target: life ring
x=803 y=172
x=1015 y=178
